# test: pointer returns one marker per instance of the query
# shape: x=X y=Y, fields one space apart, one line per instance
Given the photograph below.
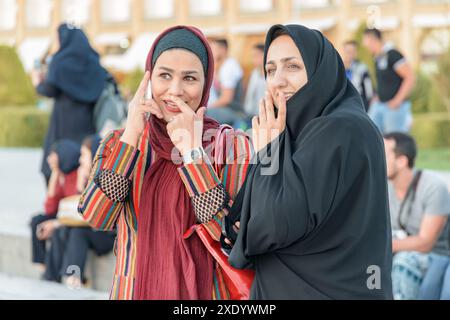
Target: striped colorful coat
x=111 y=198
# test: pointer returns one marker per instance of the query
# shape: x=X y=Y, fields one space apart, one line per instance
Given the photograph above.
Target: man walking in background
x=357 y=72
x=391 y=110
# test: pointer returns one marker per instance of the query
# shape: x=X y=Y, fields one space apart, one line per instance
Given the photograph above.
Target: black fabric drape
x=75 y=80
x=75 y=69
x=317 y=227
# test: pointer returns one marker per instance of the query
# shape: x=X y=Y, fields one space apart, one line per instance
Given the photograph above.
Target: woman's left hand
x=266 y=127
x=236 y=227
x=186 y=129
x=36 y=77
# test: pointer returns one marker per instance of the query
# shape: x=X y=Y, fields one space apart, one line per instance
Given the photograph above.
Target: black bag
x=110 y=110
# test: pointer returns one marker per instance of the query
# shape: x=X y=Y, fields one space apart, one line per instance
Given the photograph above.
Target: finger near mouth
x=173 y=109
x=287 y=96
x=171 y=106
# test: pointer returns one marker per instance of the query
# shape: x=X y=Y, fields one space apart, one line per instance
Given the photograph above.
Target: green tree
x=15 y=86
x=131 y=82
x=442 y=79
x=421 y=94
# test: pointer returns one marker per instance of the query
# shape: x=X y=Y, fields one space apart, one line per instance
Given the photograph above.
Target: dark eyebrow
x=188 y=72
x=167 y=69
x=284 y=60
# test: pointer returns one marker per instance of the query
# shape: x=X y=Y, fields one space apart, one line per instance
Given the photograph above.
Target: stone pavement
x=22 y=193
x=17 y=288
x=22 y=189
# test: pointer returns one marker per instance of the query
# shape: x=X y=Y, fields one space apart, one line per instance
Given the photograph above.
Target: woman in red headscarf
x=170 y=168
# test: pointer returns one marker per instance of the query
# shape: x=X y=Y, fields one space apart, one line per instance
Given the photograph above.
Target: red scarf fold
x=168 y=267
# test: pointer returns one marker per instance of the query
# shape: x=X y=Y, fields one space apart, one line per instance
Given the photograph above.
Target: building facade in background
x=123 y=30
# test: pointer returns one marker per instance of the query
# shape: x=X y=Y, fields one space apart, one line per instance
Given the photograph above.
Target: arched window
x=256 y=5
x=116 y=11
x=76 y=12
x=205 y=7
x=38 y=13
x=158 y=9
x=8 y=14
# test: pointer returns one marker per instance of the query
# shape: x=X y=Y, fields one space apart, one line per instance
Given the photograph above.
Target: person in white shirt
x=226 y=92
x=257 y=83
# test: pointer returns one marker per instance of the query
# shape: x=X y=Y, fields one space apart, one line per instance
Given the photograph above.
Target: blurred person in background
x=63 y=163
x=436 y=283
x=74 y=238
x=256 y=86
x=391 y=109
x=225 y=104
x=75 y=80
x=419 y=205
x=357 y=72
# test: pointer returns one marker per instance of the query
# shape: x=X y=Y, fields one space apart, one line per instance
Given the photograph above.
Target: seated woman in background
x=63 y=161
x=70 y=244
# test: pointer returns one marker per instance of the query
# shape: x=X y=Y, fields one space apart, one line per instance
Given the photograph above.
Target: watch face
x=195 y=154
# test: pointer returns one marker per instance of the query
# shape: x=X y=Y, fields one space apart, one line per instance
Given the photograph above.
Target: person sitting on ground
x=419 y=207
x=63 y=161
x=70 y=244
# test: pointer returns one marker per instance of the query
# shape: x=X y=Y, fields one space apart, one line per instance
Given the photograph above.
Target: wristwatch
x=193 y=155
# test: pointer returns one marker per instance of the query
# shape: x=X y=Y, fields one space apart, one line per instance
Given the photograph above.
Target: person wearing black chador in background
x=75 y=80
x=319 y=227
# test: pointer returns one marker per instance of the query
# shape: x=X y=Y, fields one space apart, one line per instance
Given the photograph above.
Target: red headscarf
x=169 y=267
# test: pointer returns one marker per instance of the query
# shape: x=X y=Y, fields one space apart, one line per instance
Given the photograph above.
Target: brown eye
x=270 y=71
x=294 y=67
x=165 y=76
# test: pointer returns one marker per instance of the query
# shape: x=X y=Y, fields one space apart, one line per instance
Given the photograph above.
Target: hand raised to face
x=266 y=127
x=186 y=128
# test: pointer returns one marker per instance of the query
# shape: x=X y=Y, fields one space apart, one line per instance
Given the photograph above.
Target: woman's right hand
x=137 y=110
x=46 y=229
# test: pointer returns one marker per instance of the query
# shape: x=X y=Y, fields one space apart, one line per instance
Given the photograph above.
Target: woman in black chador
x=75 y=80
x=314 y=222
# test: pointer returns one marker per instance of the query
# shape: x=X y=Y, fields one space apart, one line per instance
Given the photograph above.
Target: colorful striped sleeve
x=213 y=187
x=97 y=207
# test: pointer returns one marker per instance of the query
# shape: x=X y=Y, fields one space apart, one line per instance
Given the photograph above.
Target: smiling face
x=285 y=68
x=179 y=73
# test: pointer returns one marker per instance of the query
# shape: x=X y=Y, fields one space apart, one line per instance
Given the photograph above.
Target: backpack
x=110 y=110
